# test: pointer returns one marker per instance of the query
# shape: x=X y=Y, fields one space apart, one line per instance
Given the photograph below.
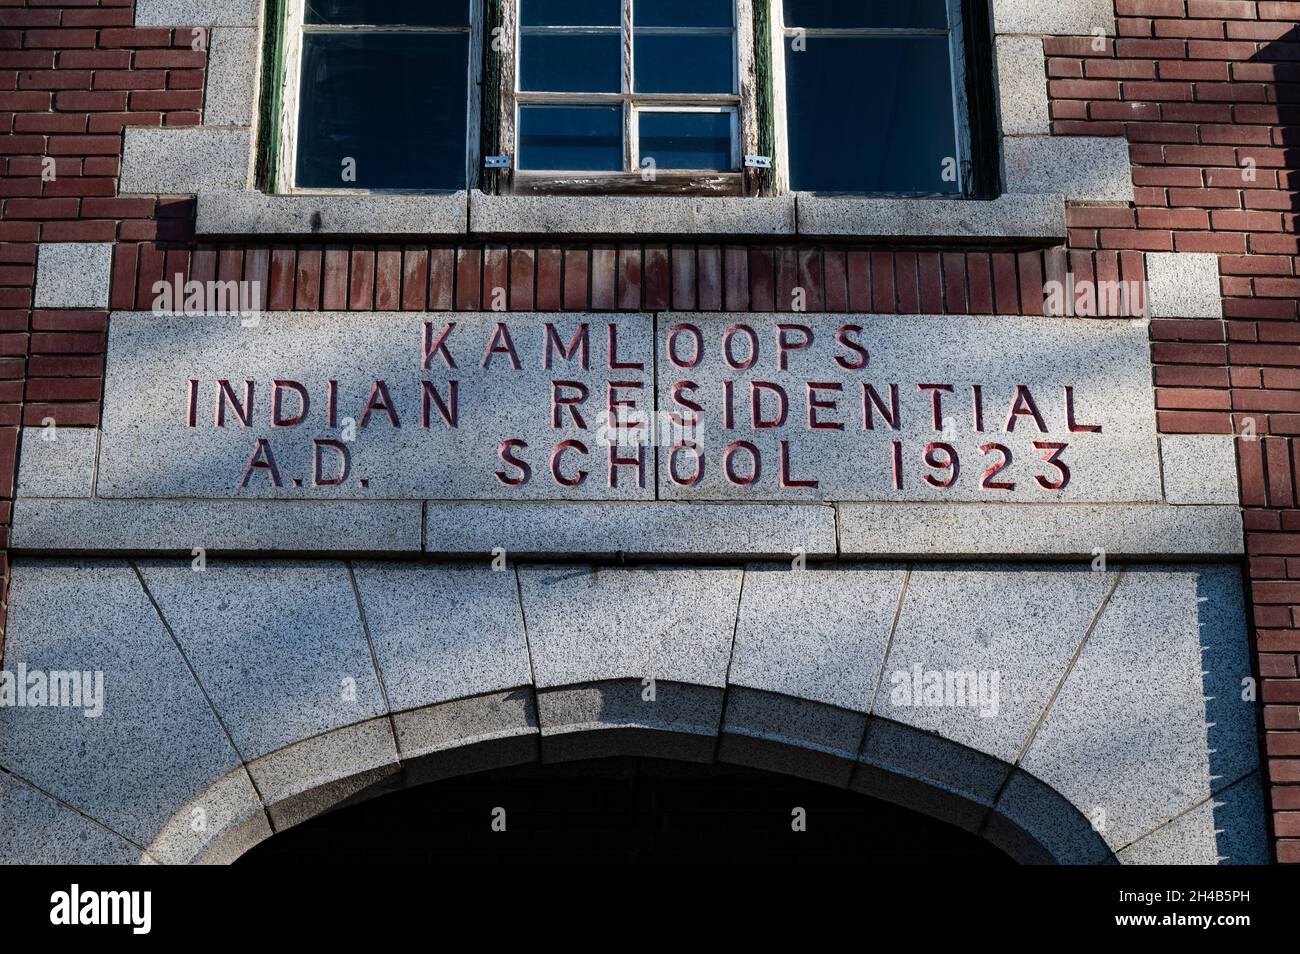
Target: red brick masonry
x=1206 y=91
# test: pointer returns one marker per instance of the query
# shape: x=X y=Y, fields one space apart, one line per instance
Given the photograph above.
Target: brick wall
x=1204 y=90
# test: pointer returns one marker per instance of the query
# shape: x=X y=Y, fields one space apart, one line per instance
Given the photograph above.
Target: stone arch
x=248 y=697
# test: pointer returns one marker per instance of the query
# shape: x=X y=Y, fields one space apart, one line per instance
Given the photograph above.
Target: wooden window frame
x=295 y=29
x=742 y=103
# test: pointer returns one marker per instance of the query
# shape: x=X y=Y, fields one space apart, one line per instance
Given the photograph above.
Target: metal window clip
x=758 y=162
x=496 y=162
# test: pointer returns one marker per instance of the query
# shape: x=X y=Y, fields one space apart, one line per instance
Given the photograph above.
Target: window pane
x=686 y=140
x=684 y=13
x=571 y=12
x=678 y=63
x=360 y=92
x=403 y=12
x=571 y=63
x=914 y=14
x=901 y=128
x=571 y=138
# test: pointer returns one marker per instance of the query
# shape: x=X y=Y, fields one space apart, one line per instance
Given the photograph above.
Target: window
x=868 y=97
x=383 y=98
x=615 y=94
x=900 y=64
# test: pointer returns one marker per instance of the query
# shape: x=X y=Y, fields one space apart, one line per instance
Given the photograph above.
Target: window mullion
x=630 y=158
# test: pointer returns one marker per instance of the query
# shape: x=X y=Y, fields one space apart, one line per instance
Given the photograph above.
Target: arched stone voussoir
x=153 y=745
x=1140 y=732
x=792 y=736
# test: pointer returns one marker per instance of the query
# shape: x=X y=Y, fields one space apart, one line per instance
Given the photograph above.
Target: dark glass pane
x=571 y=12
x=395 y=103
x=684 y=13
x=571 y=63
x=571 y=138
x=899 y=129
x=677 y=63
x=896 y=14
x=686 y=140
x=399 y=12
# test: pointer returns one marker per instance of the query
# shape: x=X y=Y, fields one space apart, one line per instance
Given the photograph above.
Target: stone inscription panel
x=510 y=406
x=412 y=406
x=843 y=407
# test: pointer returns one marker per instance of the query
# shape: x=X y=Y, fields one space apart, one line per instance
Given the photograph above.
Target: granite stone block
x=37 y=830
x=1126 y=737
x=127 y=768
x=184 y=160
x=233 y=69
x=279 y=647
x=623 y=215
x=1200 y=469
x=218 y=526
x=589 y=624
x=57 y=462
x=240 y=213
x=1082 y=168
x=73 y=275
x=1183 y=285
x=443 y=632
x=977 y=652
x=799 y=401
x=1083 y=532
x=1008 y=216
x=632 y=529
x=818 y=633
x=1022 y=86
x=619 y=718
x=791 y=736
x=506 y=434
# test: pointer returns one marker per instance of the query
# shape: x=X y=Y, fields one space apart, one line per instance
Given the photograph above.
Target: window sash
x=782 y=34
x=295 y=31
x=739 y=102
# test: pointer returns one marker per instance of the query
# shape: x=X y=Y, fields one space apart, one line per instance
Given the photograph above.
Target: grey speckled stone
x=1127 y=733
x=310 y=777
x=1022 y=86
x=184 y=160
x=151 y=359
x=1081 y=168
x=1200 y=468
x=73 y=274
x=234 y=213
x=633 y=529
x=1035 y=824
x=1054 y=17
x=1008 y=216
x=468 y=735
x=989 y=530
x=1183 y=285
x=630 y=215
x=613 y=718
x=234 y=526
x=955 y=620
x=37 y=830
x=791 y=736
x=666 y=623
x=272 y=644
x=1230 y=828
x=816 y=634
x=443 y=632
x=928 y=773
x=224 y=821
x=233 y=69
x=157 y=743
x=62 y=467
x=1232 y=722
x=1107 y=363
x=197 y=12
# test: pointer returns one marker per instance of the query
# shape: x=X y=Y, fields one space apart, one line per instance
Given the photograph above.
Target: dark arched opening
x=624 y=810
